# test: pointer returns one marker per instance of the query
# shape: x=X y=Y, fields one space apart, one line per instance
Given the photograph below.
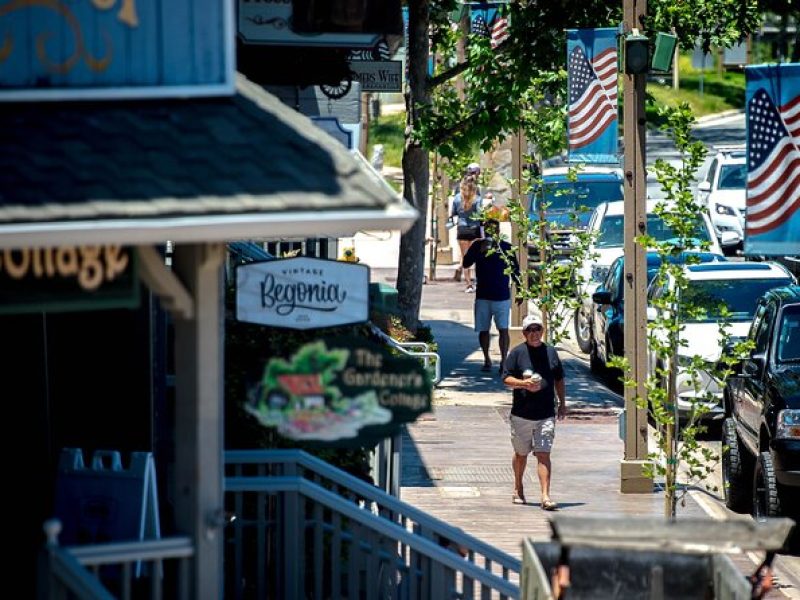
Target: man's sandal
x=517 y=498
x=549 y=505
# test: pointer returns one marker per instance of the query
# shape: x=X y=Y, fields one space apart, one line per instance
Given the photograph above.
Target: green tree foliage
x=520 y=84
x=502 y=87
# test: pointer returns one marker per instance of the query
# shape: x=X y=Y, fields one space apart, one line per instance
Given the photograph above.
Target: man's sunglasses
x=534 y=328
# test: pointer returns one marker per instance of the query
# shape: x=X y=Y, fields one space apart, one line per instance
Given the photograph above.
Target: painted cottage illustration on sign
x=306 y=389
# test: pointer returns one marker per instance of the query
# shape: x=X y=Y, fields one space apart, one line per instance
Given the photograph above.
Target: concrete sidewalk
x=457 y=460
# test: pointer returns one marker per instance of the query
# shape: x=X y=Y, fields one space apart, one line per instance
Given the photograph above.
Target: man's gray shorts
x=532 y=436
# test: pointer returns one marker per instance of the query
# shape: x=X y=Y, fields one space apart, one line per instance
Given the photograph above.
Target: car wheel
x=596 y=366
x=765 y=489
x=583 y=329
x=736 y=470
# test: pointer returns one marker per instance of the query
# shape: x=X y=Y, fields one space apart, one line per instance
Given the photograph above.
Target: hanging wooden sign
x=345 y=391
x=302 y=293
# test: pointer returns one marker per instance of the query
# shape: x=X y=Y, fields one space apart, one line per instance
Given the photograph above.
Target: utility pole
x=632 y=476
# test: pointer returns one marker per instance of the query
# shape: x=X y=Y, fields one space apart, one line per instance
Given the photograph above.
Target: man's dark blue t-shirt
x=542 y=359
x=490 y=269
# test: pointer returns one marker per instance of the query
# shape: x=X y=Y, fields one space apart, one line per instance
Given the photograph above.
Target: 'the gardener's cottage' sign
x=346 y=391
x=302 y=293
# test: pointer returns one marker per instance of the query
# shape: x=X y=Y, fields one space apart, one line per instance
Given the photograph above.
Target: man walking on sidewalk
x=534 y=372
x=492 y=258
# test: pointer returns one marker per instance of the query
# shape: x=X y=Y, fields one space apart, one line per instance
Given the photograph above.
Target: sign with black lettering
x=67 y=279
x=302 y=293
x=378 y=75
x=344 y=391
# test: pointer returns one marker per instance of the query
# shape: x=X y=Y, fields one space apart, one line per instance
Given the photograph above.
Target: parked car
x=608 y=318
x=761 y=468
x=606 y=223
x=562 y=198
x=722 y=190
x=737 y=286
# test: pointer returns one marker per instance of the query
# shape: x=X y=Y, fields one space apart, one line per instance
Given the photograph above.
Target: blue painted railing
x=303 y=528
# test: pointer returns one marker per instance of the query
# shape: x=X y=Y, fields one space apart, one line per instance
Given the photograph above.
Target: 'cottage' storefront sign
x=67 y=279
x=344 y=391
x=302 y=293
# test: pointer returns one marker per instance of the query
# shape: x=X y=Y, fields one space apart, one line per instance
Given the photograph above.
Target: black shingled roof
x=75 y=163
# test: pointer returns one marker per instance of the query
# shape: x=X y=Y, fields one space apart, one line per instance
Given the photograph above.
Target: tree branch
x=447 y=75
x=449 y=132
x=461 y=67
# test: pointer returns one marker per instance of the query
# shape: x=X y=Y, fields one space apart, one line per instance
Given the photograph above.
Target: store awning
x=142 y=172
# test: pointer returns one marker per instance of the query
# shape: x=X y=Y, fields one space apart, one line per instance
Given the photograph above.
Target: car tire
x=583 y=329
x=766 y=502
x=596 y=366
x=737 y=478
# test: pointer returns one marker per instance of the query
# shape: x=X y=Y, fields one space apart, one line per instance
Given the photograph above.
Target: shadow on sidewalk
x=457 y=342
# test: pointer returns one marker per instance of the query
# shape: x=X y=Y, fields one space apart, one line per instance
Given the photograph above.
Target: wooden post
x=632 y=477
x=518 y=146
x=199 y=414
x=365 y=118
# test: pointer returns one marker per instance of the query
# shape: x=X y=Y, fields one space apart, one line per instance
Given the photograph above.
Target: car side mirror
x=601 y=297
x=755 y=364
x=729 y=238
x=729 y=350
x=652 y=313
x=704 y=186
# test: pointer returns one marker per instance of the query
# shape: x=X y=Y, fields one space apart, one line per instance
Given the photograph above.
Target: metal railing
x=419 y=350
x=306 y=529
x=152 y=569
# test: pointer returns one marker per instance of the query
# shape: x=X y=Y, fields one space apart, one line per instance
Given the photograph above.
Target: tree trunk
x=411 y=262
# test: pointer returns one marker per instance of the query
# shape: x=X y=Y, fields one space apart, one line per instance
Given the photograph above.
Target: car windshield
x=732 y=177
x=611 y=233
x=789 y=335
x=570 y=195
x=739 y=295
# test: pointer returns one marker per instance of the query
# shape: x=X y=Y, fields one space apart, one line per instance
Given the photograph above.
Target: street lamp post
x=632 y=476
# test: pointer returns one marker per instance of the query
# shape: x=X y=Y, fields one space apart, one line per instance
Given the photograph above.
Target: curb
x=721 y=115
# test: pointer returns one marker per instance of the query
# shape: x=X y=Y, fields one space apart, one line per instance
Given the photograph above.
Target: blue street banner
x=592 y=82
x=772 y=220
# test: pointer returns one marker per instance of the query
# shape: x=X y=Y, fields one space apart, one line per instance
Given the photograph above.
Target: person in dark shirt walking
x=495 y=265
x=535 y=374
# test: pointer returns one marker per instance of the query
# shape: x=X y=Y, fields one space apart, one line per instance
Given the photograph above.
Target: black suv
x=761 y=467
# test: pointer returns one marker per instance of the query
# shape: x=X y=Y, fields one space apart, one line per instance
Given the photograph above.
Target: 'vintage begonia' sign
x=302 y=293
x=345 y=391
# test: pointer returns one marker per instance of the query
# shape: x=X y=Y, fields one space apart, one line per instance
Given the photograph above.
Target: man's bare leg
x=504 y=342
x=518 y=463
x=483 y=338
x=543 y=470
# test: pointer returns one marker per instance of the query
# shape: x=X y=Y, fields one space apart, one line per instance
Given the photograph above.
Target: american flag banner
x=487 y=19
x=592 y=83
x=772 y=218
x=499 y=31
